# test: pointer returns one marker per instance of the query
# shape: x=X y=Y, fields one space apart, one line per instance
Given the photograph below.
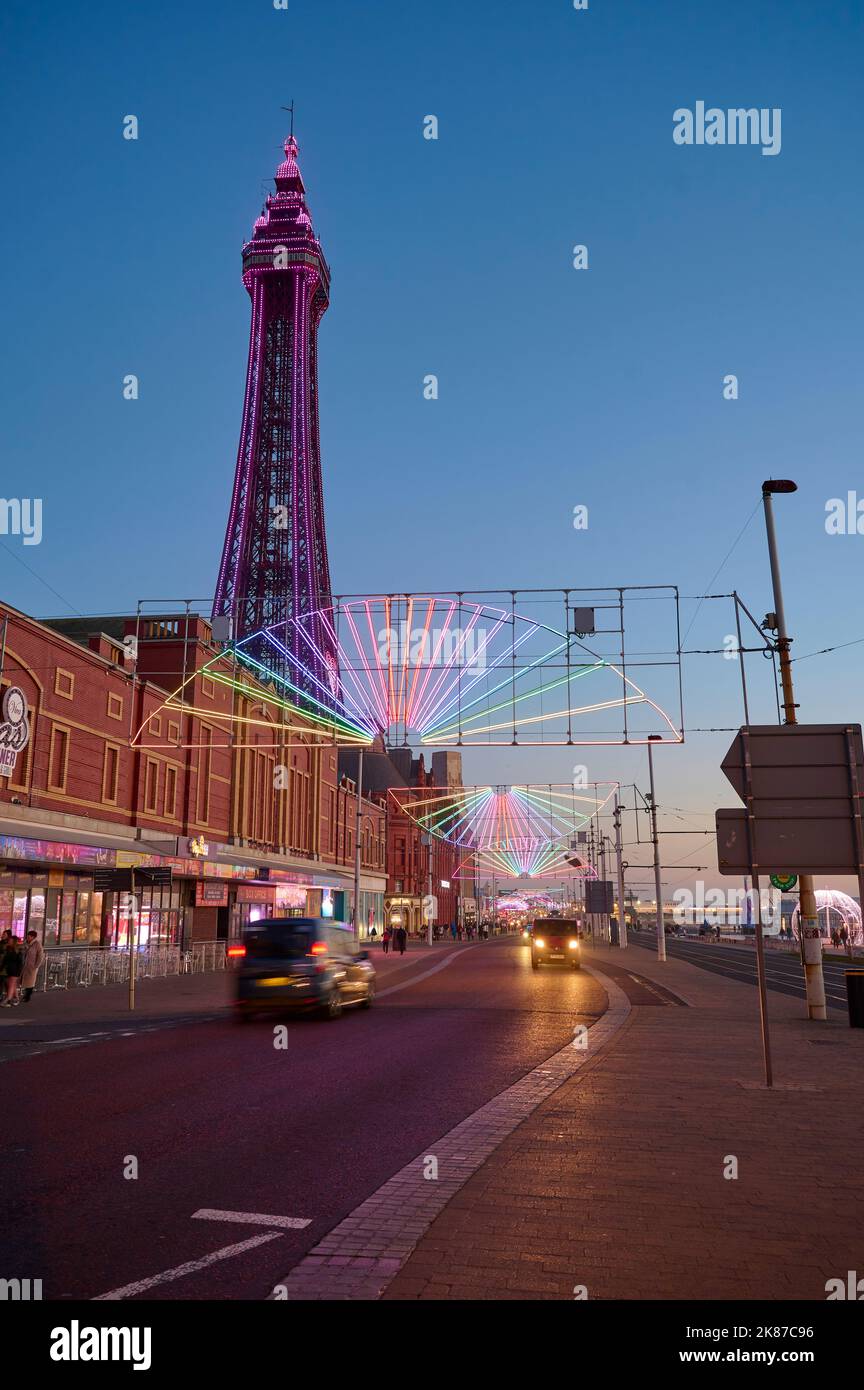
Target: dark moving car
x=555 y=939
x=309 y=963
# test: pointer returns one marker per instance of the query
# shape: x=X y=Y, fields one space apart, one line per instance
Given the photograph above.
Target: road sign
x=802 y=784
x=807 y=764
x=598 y=895
x=785 y=882
x=120 y=880
x=112 y=880
x=788 y=844
x=154 y=876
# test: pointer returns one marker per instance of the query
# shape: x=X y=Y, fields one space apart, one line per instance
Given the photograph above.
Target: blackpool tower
x=274 y=572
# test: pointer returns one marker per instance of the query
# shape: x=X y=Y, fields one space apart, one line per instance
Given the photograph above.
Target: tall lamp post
x=658 y=888
x=357 y=832
x=811 y=943
x=619 y=865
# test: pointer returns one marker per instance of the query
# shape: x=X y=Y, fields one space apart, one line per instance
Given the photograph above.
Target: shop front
x=38 y=892
x=48 y=886
x=61 y=907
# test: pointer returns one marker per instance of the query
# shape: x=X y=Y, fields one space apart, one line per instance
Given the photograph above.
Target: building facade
x=115 y=773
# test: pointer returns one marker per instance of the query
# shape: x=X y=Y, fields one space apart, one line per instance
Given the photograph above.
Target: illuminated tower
x=274 y=562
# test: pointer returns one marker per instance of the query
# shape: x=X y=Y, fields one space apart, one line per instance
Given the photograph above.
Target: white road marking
x=226 y=1253
x=251 y=1218
x=433 y=970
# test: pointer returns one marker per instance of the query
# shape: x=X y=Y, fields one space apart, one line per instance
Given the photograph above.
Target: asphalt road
x=783 y=972
x=217 y=1118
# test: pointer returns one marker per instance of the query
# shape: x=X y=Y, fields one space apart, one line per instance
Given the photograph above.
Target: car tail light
x=236 y=951
x=318 y=954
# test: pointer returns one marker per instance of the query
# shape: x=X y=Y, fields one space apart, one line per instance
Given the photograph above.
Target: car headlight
x=574 y=945
x=538 y=942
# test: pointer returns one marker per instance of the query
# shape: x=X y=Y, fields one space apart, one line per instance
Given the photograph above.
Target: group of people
x=840 y=937
x=19 y=967
x=470 y=930
x=398 y=936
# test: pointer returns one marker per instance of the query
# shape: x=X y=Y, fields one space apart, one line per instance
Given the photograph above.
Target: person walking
x=401 y=940
x=453 y=930
x=13 y=960
x=385 y=940
x=34 y=954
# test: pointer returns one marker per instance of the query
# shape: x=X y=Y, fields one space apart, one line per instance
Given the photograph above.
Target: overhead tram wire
x=721 y=567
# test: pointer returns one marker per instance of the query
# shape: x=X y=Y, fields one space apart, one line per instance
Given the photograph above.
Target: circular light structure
x=834 y=910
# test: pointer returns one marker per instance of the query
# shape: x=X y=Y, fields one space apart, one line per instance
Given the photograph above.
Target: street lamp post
x=357 y=832
x=811 y=944
x=619 y=865
x=658 y=888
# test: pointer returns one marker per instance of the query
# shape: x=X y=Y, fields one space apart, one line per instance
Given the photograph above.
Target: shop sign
x=199 y=847
x=14 y=730
x=211 y=870
x=11 y=847
x=255 y=893
x=211 y=894
x=126 y=859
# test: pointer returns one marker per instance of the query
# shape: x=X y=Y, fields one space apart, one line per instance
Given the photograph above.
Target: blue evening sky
x=558 y=387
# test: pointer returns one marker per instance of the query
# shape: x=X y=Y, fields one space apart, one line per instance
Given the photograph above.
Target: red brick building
x=116 y=774
x=417 y=865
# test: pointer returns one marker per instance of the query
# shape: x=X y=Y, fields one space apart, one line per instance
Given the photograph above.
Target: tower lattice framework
x=274 y=562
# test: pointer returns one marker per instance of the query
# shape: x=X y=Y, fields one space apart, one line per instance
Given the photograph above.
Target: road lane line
x=433 y=970
x=252 y=1218
x=191 y=1267
x=361 y=1255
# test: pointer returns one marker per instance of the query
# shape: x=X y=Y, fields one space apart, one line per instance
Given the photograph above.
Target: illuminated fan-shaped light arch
x=517 y=830
x=440 y=671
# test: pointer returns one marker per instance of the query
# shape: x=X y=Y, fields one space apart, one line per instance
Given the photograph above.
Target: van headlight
x=574 y=945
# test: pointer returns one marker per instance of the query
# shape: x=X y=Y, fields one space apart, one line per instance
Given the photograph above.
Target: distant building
x=418 y=865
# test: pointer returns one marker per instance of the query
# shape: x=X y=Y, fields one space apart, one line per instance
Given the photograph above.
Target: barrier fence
x=69 y=969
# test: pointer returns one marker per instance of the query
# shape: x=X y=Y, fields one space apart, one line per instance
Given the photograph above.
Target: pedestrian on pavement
x=401 y=940
x=13 y=960
x=385 y=940
x=34 y=955
x=843 y=935
x=453 y=930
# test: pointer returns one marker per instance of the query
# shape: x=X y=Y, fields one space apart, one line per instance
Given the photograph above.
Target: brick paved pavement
x=616 y=1181
x=360 y=1256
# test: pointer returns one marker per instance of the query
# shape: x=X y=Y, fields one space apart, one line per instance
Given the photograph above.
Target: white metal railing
x=69 y=968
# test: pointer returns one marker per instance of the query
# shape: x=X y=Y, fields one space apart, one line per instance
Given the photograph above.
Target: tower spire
x=274 y=571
